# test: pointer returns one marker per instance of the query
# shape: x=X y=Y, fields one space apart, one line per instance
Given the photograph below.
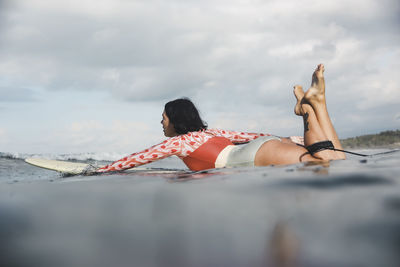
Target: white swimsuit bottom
x=241 y=155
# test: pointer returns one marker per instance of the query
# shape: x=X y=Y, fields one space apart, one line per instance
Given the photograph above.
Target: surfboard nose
x=65 y=167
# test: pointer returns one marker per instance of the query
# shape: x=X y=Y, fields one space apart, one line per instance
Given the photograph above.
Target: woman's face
x=168 y=127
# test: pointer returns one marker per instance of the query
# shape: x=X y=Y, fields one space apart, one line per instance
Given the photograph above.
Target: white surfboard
x=76 y=168
x=58 y=165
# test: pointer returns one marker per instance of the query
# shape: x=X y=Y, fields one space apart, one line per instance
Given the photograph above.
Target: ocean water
x=340 y=213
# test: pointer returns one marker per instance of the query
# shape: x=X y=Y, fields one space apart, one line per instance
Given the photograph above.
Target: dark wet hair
x=185 y=117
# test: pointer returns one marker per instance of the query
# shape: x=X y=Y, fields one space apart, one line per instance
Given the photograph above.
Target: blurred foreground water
x=342 y=213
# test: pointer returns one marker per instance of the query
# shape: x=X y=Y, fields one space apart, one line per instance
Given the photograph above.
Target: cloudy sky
x=93 y=75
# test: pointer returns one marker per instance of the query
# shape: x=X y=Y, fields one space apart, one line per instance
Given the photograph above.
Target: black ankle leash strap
x=319 y=146
x=364 y=155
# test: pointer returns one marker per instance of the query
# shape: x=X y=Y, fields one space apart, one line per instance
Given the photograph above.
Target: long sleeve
x=169 y=147
x=237 y=137
x=243 y=137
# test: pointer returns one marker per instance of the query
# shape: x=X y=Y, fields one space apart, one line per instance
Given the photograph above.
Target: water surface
x=342 y=213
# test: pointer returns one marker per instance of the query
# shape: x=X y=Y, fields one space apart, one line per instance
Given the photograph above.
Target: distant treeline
x=382 y=139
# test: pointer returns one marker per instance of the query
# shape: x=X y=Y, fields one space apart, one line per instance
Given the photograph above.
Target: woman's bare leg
x=313 y=131
x=316 y=97
x=275 y=152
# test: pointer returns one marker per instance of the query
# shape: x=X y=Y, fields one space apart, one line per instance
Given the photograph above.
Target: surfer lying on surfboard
x=201 y=148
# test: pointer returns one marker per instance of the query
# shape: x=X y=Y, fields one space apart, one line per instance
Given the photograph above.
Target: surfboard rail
x=66 y=167
x=77 y=168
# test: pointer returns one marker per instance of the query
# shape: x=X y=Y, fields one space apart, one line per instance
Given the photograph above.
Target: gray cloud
x=241 y=53
x=8 y=94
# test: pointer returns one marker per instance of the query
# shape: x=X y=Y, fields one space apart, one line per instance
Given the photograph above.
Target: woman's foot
x=317 y=79
x=316 y=94
x=299 y=94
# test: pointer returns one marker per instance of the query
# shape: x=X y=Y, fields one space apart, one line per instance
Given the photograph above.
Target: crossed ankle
x=320 y=146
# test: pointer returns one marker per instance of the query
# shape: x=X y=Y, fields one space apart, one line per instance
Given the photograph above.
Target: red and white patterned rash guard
x=182 y=146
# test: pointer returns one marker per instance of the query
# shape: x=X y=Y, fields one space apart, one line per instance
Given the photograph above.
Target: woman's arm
x=237 y=137
x=165 y=149
x=243 y=137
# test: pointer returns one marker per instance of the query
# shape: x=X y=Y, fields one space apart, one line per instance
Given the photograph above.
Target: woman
x=201 y=148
